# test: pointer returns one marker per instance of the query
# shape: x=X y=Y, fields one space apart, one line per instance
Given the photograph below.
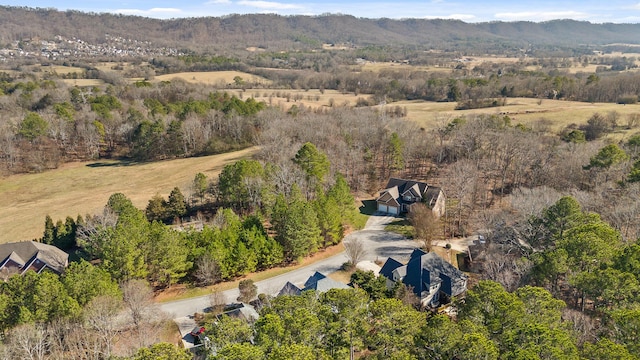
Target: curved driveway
x=379 y=245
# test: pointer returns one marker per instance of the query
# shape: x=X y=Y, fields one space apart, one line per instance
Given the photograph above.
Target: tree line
x=48 y=122
x=490 y=324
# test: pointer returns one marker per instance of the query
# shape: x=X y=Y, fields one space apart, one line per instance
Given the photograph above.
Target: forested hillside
x=275 y=32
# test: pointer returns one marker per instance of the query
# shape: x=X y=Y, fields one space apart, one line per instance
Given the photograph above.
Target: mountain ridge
x=279 y=32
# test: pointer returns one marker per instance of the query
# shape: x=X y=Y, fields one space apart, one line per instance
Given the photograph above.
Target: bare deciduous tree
x=217 y=301
x=101 y=316
x=138 y=300
x=426 y=225
x=207 y=271
x=354 y=249
x=28 y=341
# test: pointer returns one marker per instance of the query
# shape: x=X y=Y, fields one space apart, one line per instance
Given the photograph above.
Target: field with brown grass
x=557 y=113
x=218 y=78
x=313 y=98
x=84 y=188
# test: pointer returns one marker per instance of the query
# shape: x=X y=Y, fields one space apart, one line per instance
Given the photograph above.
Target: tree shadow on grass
x=368 y=207
x=118 y=163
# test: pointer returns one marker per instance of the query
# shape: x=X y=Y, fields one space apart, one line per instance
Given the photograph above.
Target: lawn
x=84 y=188
x=402 y=227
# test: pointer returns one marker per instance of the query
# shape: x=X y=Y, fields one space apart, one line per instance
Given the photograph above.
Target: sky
x=595 y=11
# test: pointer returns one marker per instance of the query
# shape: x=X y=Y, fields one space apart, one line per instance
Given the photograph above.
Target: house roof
x=316 y=282
x=404 y=185
x=242 y=311
x=396 y=188
x=320 y=282
x=431 y=196
x=326 y=284
x=425 y=270
x=34 y=255
x=289 y=289
x=388 y=267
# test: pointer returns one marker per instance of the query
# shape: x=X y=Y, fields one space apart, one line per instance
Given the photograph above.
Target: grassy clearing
x=402 y=227
x=181 y=292
x=83 y=82
x=559 y=113
x=84 y=187
x=314 y=98
x=219 y=78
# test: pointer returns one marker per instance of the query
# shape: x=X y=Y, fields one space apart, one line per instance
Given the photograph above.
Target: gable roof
x=320 y=282
x=389 y=266
x=432 y=195
x=289 y=289
x=425 y=270
x=241 y=311
x=33 y=255
x=404 y=185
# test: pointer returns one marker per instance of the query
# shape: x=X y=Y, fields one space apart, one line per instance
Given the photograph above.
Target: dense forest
x=276 y=32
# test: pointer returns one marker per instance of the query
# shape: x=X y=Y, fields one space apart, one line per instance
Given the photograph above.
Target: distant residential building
x=19 y=257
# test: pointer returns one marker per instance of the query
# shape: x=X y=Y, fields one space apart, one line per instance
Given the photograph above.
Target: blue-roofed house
x=428 y=275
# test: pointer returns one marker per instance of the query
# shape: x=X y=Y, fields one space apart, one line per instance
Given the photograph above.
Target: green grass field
x=84 y=188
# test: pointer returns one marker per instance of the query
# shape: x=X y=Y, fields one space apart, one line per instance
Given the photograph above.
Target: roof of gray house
x=241 y=311
x=404 y=185
x=317 y=282
x=320 y=282
x=33 y=255
x=388 y=267
x=425 y=270
x=289 y=289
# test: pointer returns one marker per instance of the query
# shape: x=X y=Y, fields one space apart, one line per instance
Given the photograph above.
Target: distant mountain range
x=274 y=32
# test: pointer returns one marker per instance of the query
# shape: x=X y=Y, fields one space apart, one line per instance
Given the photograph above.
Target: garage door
x=393 y=210
x=382 y=207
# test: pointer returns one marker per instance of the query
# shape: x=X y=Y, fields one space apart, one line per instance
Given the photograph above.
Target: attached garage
x=388 y=209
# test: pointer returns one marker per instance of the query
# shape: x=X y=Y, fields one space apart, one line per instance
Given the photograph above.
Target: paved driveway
x=379 y=244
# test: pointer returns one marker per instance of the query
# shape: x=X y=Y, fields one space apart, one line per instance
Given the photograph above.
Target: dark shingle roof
x=34 y=255
x=426 y=269
x=388 y=267
x=404 y=185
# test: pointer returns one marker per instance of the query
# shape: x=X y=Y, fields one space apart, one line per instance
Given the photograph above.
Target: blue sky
x=615 y=11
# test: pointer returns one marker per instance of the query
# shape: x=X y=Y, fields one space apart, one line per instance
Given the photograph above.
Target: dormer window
x=408 y=198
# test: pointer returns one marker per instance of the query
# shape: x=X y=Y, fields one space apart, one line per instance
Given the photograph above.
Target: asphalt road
x=378 y=243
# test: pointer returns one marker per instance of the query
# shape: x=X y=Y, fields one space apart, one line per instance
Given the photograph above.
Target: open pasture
x=218 y=78
x=84 y=188
x=312 y=98
x=557 y=113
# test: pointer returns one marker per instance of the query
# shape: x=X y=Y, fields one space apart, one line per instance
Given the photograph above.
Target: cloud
x=463 y=17
x=271 y=5
x=149 y=12
x=542 y=15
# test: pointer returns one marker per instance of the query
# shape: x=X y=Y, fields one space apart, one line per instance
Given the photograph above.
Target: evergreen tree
x=49 y=231
x=177 y=205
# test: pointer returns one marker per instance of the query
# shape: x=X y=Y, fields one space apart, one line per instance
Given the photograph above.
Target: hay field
x=379 y=66
x=521 y=110
x=218 y=78
x=312 y=98
x=83 y=82
x=84 y=188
